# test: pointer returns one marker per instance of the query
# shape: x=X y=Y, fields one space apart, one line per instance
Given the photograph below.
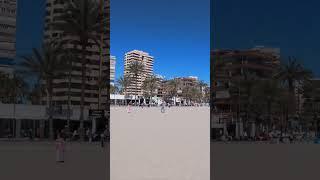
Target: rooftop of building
x=139 y=52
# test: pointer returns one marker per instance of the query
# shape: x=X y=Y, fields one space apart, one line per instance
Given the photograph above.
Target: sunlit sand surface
x=148 y=144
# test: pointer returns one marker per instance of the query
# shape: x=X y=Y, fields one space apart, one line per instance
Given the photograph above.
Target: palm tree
x=291 y=74
x=135 y=69
x=5 y=91
x=207 y=94
x=187 y=94
x=46 y=65
x=124 y=82
x=172 y=88
x=195 y=94
x=202 y=85
x=13 y=89
x=20 y=88
x=149 y=86
x=245 y=86
x=267 y=93
x=311 y=105
x=3 y=78
x=114 y=89
x=35 y=94
x=69 y=57
x=83 y=20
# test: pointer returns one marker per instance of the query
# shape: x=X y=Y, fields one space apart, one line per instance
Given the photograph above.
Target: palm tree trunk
x=269 y=113
x=83 y=84
x=69 y=100
x=292 y=102
x=100 y=67
x=18 y=121
x=51 y=133
x=50 y=118
x=69 y=87
x=136 y=90
x=125 y=96
x=42 y=124
x=42 y=121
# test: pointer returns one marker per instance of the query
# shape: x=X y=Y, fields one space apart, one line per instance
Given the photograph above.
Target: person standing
x=74 y=135
x=107 y=134
x=162 y=108
x=87 y=134
x=60 y=149
x=102 y=137
x=90 y=136
x=129 y=108
x=63 y=134
x=30 y=134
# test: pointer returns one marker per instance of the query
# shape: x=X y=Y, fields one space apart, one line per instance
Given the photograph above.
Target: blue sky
x=291 y=25
x=175 y=32
x=30 y=21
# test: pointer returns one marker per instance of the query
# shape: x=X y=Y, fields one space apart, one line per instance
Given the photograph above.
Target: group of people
x=273 y=137
x=25 y=133
x=89 y=135
x=163 y=105
x=62 y=137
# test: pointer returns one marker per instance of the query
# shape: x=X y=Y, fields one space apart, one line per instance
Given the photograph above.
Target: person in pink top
x=60 y=149
x=129 y=107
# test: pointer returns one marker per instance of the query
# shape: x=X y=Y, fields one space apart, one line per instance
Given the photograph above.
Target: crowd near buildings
x=251 y=95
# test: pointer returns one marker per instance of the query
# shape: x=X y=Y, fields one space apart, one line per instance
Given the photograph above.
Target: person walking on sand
x=162 y=108
x=129 y=108
x=60 y=149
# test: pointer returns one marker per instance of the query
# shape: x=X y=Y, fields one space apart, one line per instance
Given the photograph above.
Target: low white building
x=14 y=117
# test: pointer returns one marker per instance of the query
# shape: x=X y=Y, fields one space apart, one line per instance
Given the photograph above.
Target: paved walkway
x=265 y=161
x=36 y=161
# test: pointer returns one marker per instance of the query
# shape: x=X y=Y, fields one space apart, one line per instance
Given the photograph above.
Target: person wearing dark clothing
x=162 y=108
x=30 y=134
x=102 y=139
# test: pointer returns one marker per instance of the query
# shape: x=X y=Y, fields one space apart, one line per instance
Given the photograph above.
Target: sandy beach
x=147 y=144
x=36 y=161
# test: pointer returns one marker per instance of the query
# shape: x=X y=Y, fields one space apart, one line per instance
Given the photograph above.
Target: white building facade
x=97 y=62
x=8 y=15
x=144 y=58
x=112 y=70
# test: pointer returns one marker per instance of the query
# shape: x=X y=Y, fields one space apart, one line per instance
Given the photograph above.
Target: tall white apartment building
x=54 y=9
x=112 y=69
x=145 y=59
x=8 y=16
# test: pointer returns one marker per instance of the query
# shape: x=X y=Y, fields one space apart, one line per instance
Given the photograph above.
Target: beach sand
x=149 y=145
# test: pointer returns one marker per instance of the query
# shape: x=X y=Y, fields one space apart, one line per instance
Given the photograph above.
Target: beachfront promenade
x=265 y=161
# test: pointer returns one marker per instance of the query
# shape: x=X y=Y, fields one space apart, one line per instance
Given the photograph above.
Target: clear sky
x=30 y=20
x=291 y=25
x=175 y=32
